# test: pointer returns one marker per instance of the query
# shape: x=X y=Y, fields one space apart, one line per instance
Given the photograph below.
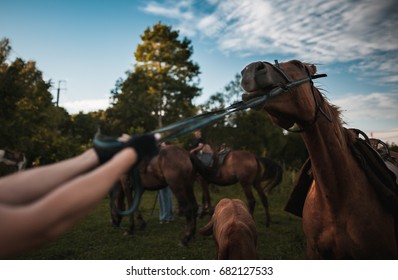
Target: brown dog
x=233 y=229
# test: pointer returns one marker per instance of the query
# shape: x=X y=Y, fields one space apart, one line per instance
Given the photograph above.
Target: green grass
x=95 y=239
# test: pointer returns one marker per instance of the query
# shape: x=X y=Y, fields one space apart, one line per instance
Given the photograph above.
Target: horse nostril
x=251 y=75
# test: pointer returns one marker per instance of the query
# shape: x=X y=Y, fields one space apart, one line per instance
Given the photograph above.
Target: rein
x=177 y=129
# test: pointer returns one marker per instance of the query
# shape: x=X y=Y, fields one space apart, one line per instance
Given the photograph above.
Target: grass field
x=95 y=239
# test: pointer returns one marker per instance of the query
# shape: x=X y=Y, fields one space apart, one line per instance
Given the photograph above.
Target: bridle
x=291 y=84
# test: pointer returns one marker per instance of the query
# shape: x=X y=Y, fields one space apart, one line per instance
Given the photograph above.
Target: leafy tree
x=30 y=122
x=162 y=85
x=84 y=126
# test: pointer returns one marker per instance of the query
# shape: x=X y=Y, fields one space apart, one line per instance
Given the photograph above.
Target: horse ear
x=312 y=68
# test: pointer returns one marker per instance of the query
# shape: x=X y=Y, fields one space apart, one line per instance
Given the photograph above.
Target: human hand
x=144 y=145
x=106 y=147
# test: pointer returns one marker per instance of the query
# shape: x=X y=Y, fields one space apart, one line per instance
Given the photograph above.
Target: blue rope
x=137 y=195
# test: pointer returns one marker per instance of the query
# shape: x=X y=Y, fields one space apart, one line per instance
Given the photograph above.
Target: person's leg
x=168 y=204
x=162 y=205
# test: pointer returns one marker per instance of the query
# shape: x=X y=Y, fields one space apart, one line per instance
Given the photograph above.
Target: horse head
x=292 y=99
x=13 y=158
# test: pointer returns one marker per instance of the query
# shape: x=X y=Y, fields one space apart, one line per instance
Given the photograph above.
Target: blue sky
x=88 y=45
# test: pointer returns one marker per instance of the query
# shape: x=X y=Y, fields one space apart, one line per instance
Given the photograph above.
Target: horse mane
x=333 y=110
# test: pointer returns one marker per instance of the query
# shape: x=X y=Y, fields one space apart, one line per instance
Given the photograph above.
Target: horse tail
x=273 y=173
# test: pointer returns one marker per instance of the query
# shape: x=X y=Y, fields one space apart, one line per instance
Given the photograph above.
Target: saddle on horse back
x=211 y=159
x=380 y=166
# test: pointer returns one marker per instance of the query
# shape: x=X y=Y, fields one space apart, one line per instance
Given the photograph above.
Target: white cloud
x=85 y=106
x=318 y=30
x=372 y=111
x=369 y=107
x=360 y=34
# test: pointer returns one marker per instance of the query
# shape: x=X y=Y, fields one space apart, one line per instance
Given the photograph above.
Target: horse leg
x=127 y=188
x=140 y=219
x=116 y=203
x=264 y=201
x=206 y=199
x=251 y=201
x=187 y=202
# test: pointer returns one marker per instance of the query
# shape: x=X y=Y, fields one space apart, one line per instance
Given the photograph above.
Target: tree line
x=157 y=91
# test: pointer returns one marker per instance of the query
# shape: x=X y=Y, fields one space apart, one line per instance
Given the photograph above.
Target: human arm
x=198 y=147
x=22 y=228
x=29 y=185
x=26 y=226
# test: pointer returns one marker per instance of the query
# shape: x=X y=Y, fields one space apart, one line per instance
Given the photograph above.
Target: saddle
x=206 y=159
x=382 y=178
x=221 y=156
x=377 y=172
x=211 y=160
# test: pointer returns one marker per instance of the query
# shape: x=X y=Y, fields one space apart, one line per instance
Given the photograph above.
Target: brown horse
x=233 y=230
x=13 y=158
x=241 y=167
x=121 y=193
x=342 y=217
x=171 y=167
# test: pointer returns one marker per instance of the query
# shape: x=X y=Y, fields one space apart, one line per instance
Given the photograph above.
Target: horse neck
x=328 y=148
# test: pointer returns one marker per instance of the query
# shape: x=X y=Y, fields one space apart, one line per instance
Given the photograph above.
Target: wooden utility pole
x=59 y=90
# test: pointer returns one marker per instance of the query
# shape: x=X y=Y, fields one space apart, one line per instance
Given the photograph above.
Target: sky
x=84 y=47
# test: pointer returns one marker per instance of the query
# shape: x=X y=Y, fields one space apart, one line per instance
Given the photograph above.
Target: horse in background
x=171 y=167
x=343 y=215
x=13 y=158
x=241 y=167
x=233 y=230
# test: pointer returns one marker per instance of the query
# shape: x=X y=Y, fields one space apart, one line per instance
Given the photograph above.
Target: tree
x=162 y=85
x=30 y=122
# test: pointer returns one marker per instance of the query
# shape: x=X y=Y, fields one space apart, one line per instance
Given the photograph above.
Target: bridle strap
x=292 y=84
